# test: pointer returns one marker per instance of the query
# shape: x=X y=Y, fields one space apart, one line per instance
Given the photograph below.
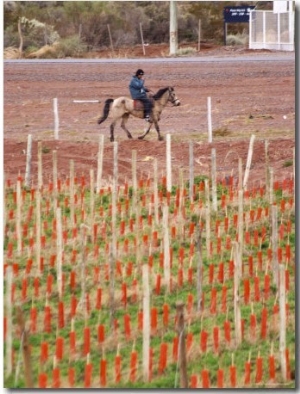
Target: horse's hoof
x=130 y=136
x=112 y=139
x=141 y=137
x=160 y=138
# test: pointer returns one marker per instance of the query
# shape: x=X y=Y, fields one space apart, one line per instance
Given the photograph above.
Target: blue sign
x=237 y=14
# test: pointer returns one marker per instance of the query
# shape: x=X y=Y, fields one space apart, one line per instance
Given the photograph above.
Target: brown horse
x=123 y=107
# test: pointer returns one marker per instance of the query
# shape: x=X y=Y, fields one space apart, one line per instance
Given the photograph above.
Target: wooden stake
x=59 y=248
x=214 y=180
x=9 y=330
x=167 y=274
x=236 y=299
x=267 y=166
x=40 y=165
x=240 y=230
x=249 y=160
x=72 y=193
x=142 y=39
x=168 y=163
x=54 y=175
x=181 y=345
x=100 y=162
x=207 y=217
x=28 y=160
x=155 y=191
x=26 y=349
x=19 y=217
x=38 y=231
x=209 y=120
x=199 y=266
x=274 y=235
x=56 y=119
x=191 y=168
x=282 y=315
x=146 y=322
x=199 y=35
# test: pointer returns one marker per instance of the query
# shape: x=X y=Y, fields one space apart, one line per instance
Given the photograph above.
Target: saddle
x=138 y=105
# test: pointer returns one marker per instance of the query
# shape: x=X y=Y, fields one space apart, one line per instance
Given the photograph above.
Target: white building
x=275 y=29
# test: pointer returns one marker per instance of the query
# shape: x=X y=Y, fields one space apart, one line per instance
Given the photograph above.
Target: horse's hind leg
x=112 y=127
x=123 y=123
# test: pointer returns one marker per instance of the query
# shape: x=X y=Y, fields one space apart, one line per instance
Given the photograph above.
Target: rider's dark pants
x=147 y=106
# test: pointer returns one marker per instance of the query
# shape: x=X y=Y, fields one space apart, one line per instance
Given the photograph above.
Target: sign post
x=239 y=14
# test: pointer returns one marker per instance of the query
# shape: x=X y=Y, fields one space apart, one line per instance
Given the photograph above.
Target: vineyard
x=149 y=283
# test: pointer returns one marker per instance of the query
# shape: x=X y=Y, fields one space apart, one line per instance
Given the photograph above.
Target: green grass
x=117 y=340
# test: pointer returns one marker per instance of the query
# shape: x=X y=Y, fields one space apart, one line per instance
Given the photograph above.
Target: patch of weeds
x=221 y=132
x=288 y=163
x=45 y=149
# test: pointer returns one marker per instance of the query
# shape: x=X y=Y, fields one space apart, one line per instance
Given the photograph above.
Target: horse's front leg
x=123 y=125
x=146 y=132
x=160 y=137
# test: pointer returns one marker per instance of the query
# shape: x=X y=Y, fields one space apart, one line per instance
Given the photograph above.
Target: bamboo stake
x=134 y=178
x=19 y=218
x=274 y=230
x=181 y=345
x=8 y=361
x=214 y=180
x=92 y=198
x=240 y=186
x=83 y=229
x=169 y=163
x=249 y=159
x=155 y=190
x=240 y=229
x=26 y=349
x=167 y=274
x=28 y=160
x=59 y=248
x=191 y=168
x=236 y=297
x=38 y=230
x=282 y=314
x=146 y=322
x=267 y=166
x=54 y=158
x=56 y=119
x=207 y=218
x=72 y=193
x=271 y=187
x=209 y=120
x=199 y=266
x=100 y=162
x=40 y=165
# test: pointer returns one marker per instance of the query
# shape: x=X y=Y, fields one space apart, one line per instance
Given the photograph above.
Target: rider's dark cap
x=139 y=72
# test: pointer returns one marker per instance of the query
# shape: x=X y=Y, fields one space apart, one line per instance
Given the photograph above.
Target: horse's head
x=172 y=97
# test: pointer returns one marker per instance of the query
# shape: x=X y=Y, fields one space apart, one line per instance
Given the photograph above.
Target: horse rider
x=138 y=92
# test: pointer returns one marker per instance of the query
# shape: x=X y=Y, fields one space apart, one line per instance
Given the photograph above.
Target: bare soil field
x=249 y=97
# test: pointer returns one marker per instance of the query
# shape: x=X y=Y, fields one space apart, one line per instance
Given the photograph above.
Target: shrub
x=186 y=51
x=71 y=46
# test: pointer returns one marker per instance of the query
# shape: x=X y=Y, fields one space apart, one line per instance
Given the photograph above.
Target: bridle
x=173 y=100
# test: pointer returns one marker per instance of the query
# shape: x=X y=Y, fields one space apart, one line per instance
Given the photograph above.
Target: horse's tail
x=105 y=110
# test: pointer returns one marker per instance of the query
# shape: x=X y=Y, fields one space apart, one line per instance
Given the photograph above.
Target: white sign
x=279 y=6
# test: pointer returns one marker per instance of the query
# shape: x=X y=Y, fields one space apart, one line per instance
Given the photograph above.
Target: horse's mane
x=158 y=95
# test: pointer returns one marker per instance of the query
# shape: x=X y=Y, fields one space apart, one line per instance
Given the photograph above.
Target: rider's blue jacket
x=137 y=88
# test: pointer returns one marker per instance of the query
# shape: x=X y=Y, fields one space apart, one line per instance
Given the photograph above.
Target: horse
x=123 y=107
